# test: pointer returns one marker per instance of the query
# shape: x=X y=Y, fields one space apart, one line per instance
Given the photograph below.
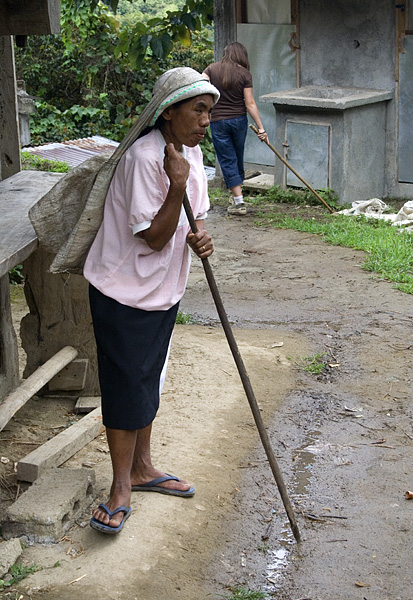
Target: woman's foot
x=156 y=481
x=115 y=501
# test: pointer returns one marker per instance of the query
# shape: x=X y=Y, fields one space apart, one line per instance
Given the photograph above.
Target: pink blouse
x=120 y=263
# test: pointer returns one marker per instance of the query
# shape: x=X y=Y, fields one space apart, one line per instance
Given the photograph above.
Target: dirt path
x=343 y=440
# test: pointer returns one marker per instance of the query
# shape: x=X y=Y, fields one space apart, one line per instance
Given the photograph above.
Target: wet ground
x=343 y=439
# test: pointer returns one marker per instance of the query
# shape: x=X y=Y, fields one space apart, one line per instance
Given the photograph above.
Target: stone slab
x=85 y=404
x=260 y=183
x=327 y=97
x=50 y=506
x=71 y=378
x=10 y=551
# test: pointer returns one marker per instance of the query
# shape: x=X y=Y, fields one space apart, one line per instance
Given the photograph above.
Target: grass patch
x=314 y=364
x=219 y=196
x=183 y=319
x=297 y=197
x=389 y=249
x=17 y=294
x=17 y=573
x=32 y=162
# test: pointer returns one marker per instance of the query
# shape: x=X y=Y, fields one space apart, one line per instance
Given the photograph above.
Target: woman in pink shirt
x=138 y=268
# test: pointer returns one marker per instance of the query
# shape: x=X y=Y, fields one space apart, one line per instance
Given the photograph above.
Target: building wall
x=347 y=43
x=352 y=43
x=273 y=68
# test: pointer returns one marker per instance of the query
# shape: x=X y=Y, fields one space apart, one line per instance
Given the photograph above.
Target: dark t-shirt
x=231 y=103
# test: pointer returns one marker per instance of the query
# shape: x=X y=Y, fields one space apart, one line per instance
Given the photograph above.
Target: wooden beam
x=30 y=17
x=60 y=448
x=16 y=399
x=241 y=11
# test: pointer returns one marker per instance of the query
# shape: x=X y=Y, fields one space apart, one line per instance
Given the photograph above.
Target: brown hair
x=233 y=55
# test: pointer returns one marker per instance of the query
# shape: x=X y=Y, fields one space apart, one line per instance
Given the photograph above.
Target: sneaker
x=237 y=209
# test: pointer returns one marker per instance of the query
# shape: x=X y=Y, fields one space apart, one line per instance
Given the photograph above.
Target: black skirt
x=132 y=346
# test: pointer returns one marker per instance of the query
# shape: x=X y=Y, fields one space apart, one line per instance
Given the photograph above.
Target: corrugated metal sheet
x=74 y=152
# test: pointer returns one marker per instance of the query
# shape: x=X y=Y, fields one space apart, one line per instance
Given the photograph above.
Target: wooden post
x=9 y=118
x=34 y=383
x=225 y=30
x=9 y=353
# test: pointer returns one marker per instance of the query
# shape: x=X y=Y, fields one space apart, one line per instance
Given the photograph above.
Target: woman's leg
x=130 y=453
x=142 y=469
x=239 y=134
x=122 y=445
x=225 y=151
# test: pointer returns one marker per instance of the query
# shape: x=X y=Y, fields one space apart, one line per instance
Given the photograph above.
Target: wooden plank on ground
x=60 y=448
x=30 y=386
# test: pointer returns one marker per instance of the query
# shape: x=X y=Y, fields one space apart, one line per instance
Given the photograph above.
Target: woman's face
x=186 y=123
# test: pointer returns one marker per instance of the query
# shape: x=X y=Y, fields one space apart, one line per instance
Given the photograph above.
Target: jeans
x=228 y=137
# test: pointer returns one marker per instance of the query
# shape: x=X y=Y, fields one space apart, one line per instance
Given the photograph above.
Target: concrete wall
x=352 y=43
x=347 y=43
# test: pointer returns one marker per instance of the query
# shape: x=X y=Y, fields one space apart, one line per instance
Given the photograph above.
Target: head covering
x=68 y=217
x=191 y=84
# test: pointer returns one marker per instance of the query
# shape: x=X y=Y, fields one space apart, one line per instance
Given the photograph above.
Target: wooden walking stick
x=282 y=159
x=245 y=381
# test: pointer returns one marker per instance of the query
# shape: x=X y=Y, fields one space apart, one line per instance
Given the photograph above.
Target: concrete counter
x=339 y=98
x=334 y=137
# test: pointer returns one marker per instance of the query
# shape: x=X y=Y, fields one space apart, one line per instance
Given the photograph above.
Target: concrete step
x=50 y=506
x=259 y=183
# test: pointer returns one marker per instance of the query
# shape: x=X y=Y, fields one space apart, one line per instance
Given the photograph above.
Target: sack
x=56 y=215
x=67 y=219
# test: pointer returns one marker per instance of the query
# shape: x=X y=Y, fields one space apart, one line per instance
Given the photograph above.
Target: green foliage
x=98 y=75
x=183 y=319
x=17 y=572
x=16 y=276
x=157 y=36
x=208 y=150
x=142 y=11
x=31 y=162
x=50 y=124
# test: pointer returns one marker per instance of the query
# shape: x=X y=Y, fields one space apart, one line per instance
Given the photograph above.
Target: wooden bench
x=18 y=240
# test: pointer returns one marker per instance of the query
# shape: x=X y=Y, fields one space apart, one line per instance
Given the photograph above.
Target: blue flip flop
x=153 y=486
x=102 y=527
